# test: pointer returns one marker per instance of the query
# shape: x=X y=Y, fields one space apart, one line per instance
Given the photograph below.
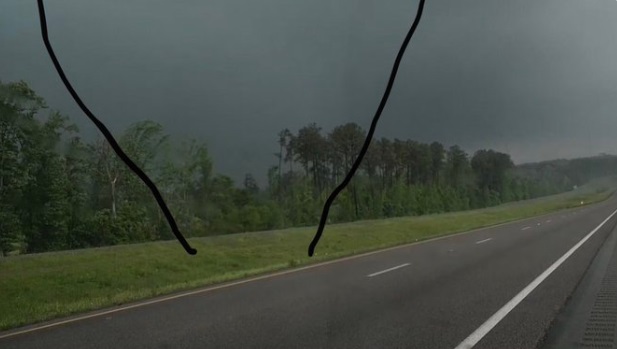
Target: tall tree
x=491 y=169
x=18 y=131
x=311 y=151
x=437 y=158
x=347 y=141
x=457 y=165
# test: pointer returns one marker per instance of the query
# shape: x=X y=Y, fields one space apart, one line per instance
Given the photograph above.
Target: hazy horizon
x=535 y=80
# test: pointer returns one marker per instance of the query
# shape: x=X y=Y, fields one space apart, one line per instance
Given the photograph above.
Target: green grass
x=40 y=287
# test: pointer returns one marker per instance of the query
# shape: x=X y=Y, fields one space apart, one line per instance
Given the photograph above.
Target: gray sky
x=537 y=79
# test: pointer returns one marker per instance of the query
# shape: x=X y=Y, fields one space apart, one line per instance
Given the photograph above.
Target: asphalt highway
x=498 y=287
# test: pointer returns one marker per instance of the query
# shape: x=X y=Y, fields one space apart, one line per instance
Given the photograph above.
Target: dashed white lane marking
x=483 y=241
x=487 y=326
x=388 y=270
x=548 y=221
x=525 y=228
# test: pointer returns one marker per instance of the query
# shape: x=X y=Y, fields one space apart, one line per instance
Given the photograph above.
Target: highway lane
x=427 y=295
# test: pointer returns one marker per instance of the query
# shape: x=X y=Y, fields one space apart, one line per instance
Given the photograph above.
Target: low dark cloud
x=537 y=79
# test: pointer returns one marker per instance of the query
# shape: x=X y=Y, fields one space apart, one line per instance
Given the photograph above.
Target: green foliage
x=10 y=231
x=45 y=286
x=60 y=192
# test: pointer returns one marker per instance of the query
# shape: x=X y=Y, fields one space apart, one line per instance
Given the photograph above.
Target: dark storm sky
x=537 y=79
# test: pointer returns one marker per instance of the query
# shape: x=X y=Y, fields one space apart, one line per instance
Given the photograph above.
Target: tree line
x=59 y=191
x=396 y=178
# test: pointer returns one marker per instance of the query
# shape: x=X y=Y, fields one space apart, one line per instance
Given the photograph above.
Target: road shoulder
x=589 y=319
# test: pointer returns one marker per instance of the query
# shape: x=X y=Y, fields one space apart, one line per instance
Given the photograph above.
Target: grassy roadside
x=39 y=287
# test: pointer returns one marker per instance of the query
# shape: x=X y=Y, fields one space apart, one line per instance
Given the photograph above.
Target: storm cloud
x=537 y=79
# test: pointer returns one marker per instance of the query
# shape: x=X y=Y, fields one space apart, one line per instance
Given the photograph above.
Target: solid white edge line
x=205 y=289
x=487 y=326
x=387 y=270
x=483 y=241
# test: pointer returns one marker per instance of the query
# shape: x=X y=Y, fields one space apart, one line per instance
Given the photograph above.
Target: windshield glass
x=241 y=174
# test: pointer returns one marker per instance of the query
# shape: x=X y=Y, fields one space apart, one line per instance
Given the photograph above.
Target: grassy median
x=40 y=287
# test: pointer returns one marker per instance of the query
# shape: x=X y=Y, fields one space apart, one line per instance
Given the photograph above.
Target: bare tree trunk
x=2 y=164
x=291 y=161
x=112 y=178
x=281 y=164
x=113 y=197
x=355 y=200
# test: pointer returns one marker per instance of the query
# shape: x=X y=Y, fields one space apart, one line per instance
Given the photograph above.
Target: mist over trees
x=58 y=191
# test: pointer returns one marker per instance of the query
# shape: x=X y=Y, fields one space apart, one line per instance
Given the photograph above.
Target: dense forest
x=59 y=191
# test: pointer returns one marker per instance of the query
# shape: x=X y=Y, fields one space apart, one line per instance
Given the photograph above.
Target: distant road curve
x=436 y=294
